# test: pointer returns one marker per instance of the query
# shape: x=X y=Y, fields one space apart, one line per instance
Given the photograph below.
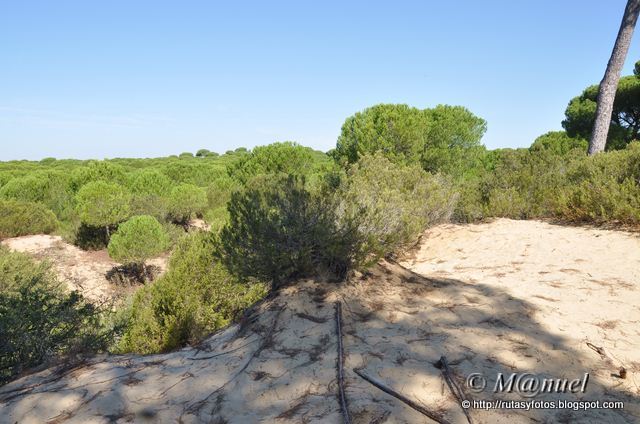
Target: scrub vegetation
x=281 y=212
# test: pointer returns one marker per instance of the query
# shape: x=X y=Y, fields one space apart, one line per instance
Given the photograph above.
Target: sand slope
x=82 y=270
x=501 y=297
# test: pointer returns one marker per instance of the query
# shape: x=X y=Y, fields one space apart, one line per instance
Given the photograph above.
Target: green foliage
x=603 y=188
x=196 y=297
x=285 y=157
x=103 y=204
x=551 y=180
x=453 y=140
x=98 y=171
x=150 y=189
x=30 y=188
x=39 y=320
x=625 y=119
x=558 y=143
x=399 y=131
x=445 y=138
x=193 y=171
x=23 y=218
x=204 y=153
x=150 y=182
x=138 y=239
x=390 y=205
x=186 y=201
x=279 y=230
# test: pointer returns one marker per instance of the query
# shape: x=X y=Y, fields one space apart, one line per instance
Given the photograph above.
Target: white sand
x=509 y=296
x=82 y=270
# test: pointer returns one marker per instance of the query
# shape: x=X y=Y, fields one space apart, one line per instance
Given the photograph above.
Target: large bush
x=558 y=142
x=452 y=143
x=399 y=131
x=389 y=205
x=39 y=320
x=137 y=240
x=24 y=218
x=276 y=158
x=30 y=188
x=102 y=204
x=279 y=230
x=194 y=298
x=106 y=171
x=150 y=189
x=186 y=201
x=445 y=138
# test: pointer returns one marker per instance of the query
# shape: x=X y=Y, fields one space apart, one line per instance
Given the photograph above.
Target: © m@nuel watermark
x=527 y=384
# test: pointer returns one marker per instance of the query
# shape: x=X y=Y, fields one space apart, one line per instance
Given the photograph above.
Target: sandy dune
x=82 y=270
x=509 y=296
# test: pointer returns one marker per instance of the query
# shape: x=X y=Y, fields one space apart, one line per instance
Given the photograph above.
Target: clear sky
x=89 y=79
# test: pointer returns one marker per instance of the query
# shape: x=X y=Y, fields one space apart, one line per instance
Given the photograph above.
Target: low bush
x=389 y=204
x=279 y=230
x=196 y=297
x=39 y=320
x=604 y=188
x=23 y=218
x=137 y=240
x=186 y=201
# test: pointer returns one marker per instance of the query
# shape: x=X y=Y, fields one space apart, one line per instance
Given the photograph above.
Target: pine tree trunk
x=609 y=84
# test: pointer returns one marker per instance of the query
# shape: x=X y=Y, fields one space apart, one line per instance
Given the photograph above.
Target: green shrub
x=276 y=158
x=105 y=171
x=30 y=188
x=604 y=188
x=559 y=143
x=150 y=189
x=39 y=320
x=102 y=204
x=279 y=230
x=185 y=202
x=24 y=218
x=150 y=181
x=445 y=138
x=196 y=297
x=390 y=205
x=137 y=240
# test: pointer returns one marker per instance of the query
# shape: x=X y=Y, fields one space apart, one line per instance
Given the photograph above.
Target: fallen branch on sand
x=453 y=386
x=424 y=411
x=343 y=398
x=622 y=371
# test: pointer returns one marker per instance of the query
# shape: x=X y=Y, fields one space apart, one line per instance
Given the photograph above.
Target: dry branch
x=424 y=411
x=343 y=398
x=622 y=371
x=453 y=386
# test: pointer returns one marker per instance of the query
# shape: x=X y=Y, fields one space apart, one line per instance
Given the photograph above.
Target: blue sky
x=89 y=79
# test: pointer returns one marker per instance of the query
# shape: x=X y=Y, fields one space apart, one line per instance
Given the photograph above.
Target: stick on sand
x=343 y=398
x=424 y=411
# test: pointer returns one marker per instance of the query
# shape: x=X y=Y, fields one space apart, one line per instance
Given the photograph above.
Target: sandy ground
x=82 y=270
x=504 y=297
